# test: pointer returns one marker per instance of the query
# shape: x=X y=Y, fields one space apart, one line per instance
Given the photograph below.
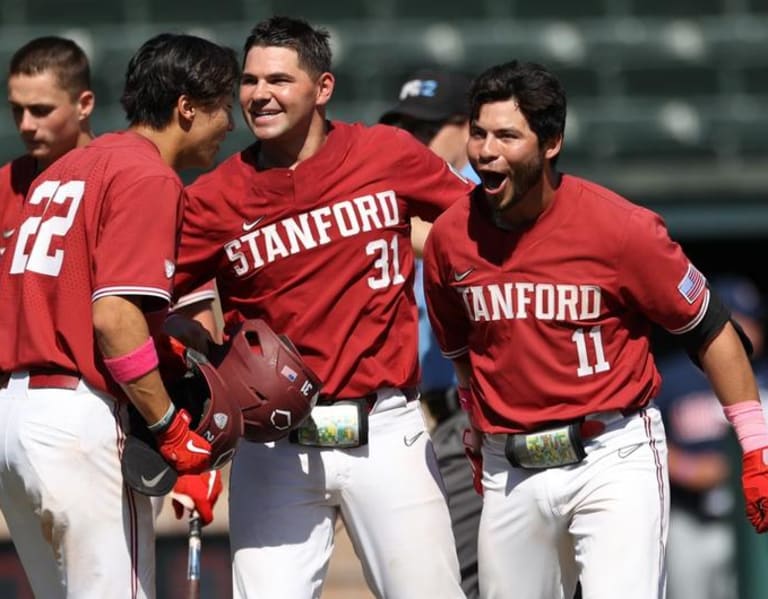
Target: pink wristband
x=134 y=364
x=748 y=421
x=465 y=398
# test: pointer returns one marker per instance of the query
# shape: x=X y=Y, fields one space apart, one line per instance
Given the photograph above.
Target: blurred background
x=668 y=105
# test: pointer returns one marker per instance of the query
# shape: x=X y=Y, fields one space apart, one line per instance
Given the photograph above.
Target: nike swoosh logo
x=8 y=233
x=628 y=451
x=152 y=482
x=411 y=440
x=195 y=449
x=252 y=224
x=460 y=276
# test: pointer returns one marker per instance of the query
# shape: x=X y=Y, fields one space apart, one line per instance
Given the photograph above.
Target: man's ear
x=186 y=108
x=325 y=87
x=85 y=103
x=553 y=146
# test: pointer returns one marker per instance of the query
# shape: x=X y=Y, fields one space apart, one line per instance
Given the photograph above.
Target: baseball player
x=543 y=287
x=433 y=108
x=49 y=90
x=702 y=538
x=95 y=250
x=311 y=233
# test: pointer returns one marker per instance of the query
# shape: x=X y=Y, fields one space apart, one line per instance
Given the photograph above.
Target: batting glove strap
x=197 y=492
x=183 y=448
x=475 y=457
x=754 y=479
x=465 y=398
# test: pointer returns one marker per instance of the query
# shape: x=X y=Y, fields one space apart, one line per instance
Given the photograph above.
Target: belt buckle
x=341 y=425
x=549 y=448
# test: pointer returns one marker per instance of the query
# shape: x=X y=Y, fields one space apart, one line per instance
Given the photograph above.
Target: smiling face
x=505 y=153
x=279 y=98
x=49 y=120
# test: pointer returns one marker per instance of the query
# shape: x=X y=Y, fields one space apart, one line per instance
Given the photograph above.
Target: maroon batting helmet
x=276 y=390
x=213 y=406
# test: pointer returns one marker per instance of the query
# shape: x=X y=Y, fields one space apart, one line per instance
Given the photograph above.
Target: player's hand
x=754 y=479
x=183 y=448
x=188 y=332
x=473 y=442
x=197 y=492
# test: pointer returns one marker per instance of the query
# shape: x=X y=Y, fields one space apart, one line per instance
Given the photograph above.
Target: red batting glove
x=754 y=480
x=197 y=492
x=183 y=448
x=472 y=443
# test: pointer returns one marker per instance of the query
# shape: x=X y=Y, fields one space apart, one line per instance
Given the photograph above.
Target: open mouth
x=264 y=115
x=493 y=182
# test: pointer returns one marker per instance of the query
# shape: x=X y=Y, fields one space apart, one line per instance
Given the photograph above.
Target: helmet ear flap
x=207 y=398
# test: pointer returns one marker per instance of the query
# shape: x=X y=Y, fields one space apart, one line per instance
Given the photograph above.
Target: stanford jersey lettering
x=311 y=229
x=544 y=301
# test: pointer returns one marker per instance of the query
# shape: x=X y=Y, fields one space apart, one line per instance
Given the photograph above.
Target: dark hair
x=169 y=65
x=310 y=44
x=63 y=57
x=539 y=94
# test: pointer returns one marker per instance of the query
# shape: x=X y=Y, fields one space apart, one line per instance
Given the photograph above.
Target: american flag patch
x=289 y=373
x=692 y=284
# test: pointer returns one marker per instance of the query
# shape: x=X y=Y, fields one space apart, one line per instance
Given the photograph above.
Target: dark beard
x=527 y=176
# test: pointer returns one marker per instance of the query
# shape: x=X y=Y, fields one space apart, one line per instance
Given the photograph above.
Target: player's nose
x=260 y=92
x=27 y=123
x=488 y=149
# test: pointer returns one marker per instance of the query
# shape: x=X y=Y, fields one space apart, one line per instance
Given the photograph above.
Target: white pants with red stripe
x=285 y=499
x=77 y=529
x=603 y=521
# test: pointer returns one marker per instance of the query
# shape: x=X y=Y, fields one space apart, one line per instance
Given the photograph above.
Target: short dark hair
x=539 y=94
x=311 y=44
x=169 y=65
x=63 y=57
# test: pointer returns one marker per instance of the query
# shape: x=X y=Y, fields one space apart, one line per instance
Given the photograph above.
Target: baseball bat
x=193 y=557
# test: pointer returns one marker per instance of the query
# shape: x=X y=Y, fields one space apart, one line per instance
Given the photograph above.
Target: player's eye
x=40 y=111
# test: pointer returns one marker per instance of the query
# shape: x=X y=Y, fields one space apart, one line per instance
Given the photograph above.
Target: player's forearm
x=463 y=371
x=419 y=231
x=203 y=312
x=727 y=366
x=120 y=328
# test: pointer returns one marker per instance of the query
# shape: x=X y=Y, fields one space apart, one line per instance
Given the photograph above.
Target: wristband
x=164 y=422
x=134 y=364
x=748 y=421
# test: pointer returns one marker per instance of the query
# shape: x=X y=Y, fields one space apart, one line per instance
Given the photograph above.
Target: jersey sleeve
x=446 y=313
x=198 y=255
x=657 y=277
x=204 y=293
x=136 y=249
x=426 y=181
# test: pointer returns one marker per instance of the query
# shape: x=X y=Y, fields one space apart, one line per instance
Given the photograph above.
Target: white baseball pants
x=603 y=521
x=79 y=532
x=285 y=498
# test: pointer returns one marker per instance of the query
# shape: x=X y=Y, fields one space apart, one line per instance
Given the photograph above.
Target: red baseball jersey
x=15 y=179
x=556 y=318
x=102 y=220
x=322 y=252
